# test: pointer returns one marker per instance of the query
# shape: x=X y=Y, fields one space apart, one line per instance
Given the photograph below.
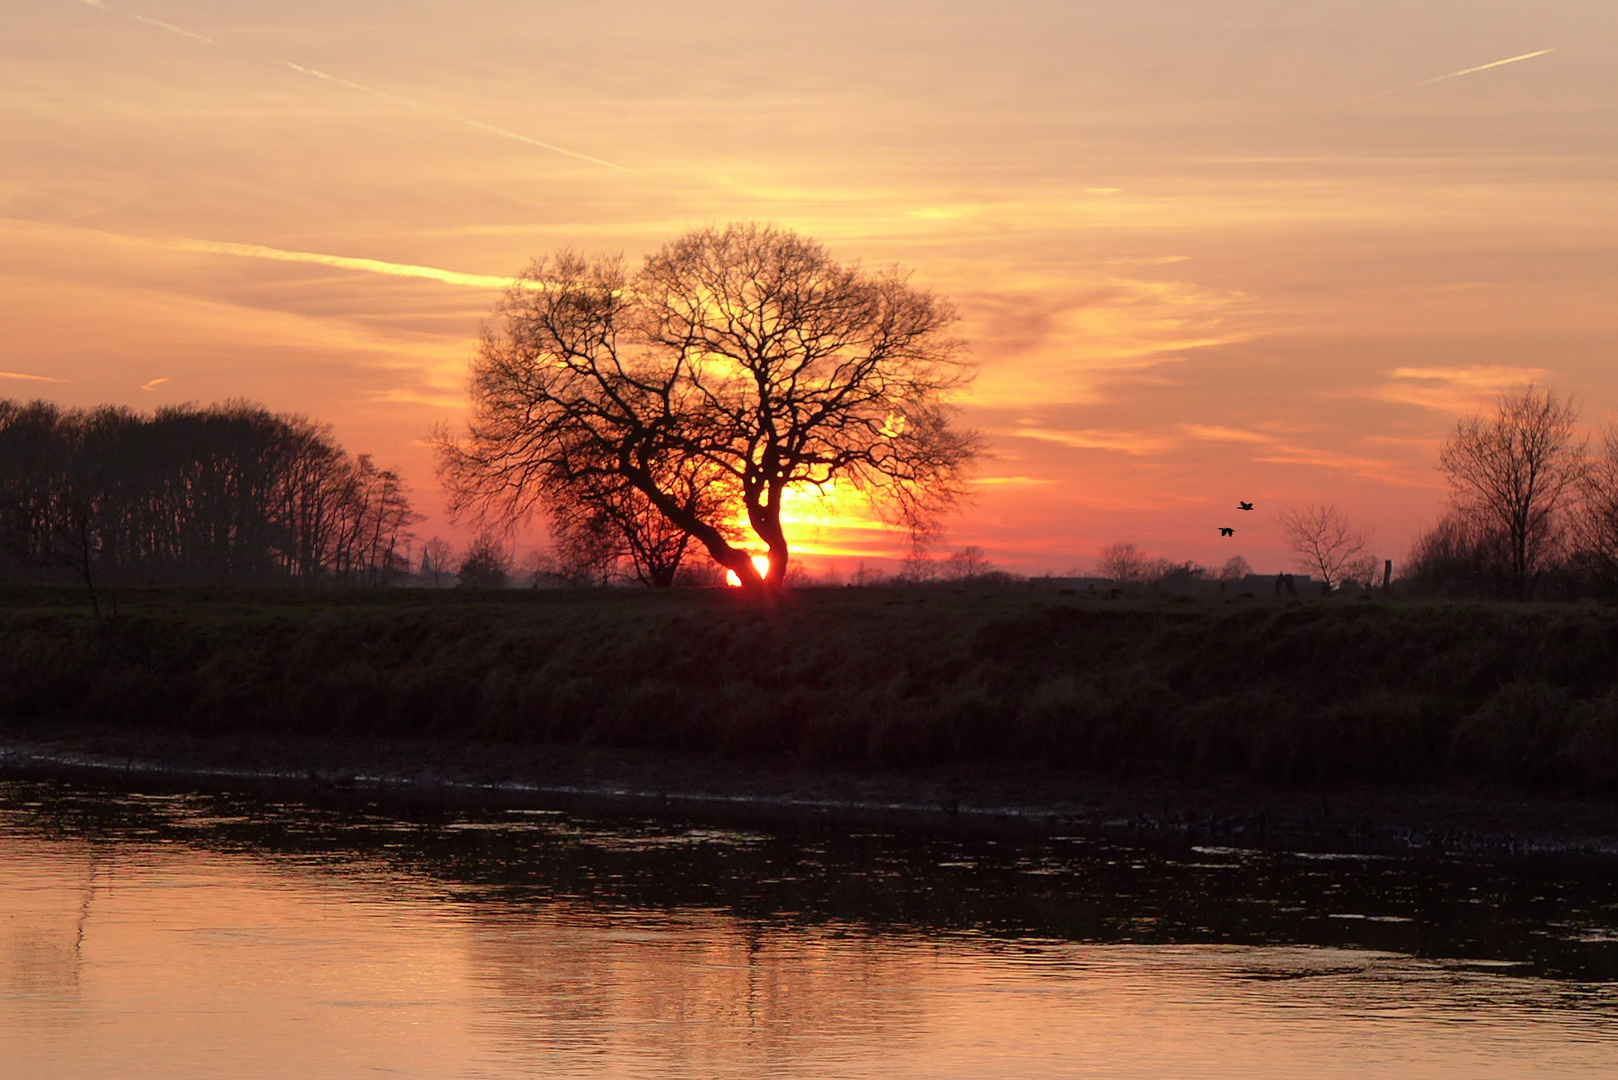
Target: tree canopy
x=732 y=366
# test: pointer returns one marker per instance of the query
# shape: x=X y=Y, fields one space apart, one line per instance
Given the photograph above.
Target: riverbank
x=983 y=801
x=1399 y=723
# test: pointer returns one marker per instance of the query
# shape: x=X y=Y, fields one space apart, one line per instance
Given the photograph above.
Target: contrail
x=155 y=383
x=344 y=262
x=29 y=378
x=468 y=121
x=1458 y=74
x=170 y=26
x=97 y=4
x=418 y=106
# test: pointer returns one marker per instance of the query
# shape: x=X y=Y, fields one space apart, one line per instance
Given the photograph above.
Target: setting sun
x=761 y=563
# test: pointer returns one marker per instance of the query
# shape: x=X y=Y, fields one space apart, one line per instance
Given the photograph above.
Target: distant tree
x=1518 y=474
x=918 y=568
x=1324 y=544
x=733 y=366
x=1595 y=522
x=968 y=564
x=700 y=574
x=1236 y=568
x=589 y=548
x=1460 y=557
x=866 y=576
x=486 y=565
x=603 y=525
x=227 y=493
x=437 y=563
x=539 y=569
x=1180 y=575
x=1124 y=563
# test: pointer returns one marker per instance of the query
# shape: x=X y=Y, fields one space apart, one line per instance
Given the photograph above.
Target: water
x=192 y=936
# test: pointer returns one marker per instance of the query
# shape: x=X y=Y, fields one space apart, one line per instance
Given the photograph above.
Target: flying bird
x=1227 y=532
x=1243 y=505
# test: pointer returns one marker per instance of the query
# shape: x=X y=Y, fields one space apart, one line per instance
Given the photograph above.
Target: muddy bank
x=978 y=801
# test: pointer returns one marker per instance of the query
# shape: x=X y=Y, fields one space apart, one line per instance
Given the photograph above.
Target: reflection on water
x=202 y=936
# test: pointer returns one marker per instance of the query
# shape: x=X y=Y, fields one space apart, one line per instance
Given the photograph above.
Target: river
x=197 y=936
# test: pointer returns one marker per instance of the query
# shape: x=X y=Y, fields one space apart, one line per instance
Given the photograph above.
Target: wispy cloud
x=1216 y=433
x=344 y=262
x=1135 y=443
x=154 y=384
x=1012 y=481
x=99 y=6
x=362 y=88
x=1453 y=389
x=1392 y=473
x=22 y=377
x=468 y=121
x=171 y=28
x=1458 y=74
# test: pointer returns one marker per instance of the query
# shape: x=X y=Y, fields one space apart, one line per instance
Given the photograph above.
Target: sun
x=761 y=563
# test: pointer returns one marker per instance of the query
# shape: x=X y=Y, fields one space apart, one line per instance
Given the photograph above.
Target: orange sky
x=1204 y=251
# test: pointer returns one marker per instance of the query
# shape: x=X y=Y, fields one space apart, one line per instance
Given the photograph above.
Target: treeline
x=227 y=493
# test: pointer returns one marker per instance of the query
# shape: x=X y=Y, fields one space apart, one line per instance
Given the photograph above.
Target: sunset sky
x=1203 y=250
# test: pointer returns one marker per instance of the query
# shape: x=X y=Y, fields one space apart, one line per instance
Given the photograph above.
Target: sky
x=1203 y=251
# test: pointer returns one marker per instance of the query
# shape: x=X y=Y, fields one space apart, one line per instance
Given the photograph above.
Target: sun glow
x=761 y=563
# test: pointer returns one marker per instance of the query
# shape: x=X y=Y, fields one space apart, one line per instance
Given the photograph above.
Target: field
x=1387 y=693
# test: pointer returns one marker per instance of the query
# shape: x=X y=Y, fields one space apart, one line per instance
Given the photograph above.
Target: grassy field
x=1403 y=693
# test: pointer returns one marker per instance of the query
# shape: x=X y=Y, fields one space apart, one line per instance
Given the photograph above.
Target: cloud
x=1012 y=481
x=468 y=121
x=1458 y=74
x=99 y=6
x=1453 y=389
x=1216 y=433
x=1135 y=443
x=361 y=87
x=154 y=384
x=170 y=27
x=1379 y=470
x=22 y=377
x=344 y=262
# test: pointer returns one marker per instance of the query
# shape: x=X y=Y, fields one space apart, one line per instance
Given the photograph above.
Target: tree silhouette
x=228 y=493
x=1323 y=542
x=733 y=366
x=486 y=565
x=1517 y=474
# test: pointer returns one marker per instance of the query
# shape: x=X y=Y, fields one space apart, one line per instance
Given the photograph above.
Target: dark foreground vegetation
x=1402 y=693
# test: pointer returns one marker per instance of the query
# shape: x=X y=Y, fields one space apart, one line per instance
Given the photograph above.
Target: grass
x=1402 y=693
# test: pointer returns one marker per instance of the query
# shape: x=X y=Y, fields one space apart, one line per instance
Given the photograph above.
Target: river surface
x=191 y=936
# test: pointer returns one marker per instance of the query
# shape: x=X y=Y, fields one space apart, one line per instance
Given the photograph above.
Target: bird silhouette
x=1244 y=505
x=1227 y=532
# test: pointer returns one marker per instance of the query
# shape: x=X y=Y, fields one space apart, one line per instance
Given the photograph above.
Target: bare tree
x=227 y=493
x=1235 y=569
x=437 y=562
x=733 y=366
x=1458 y=555
x=1517 y=474
x=1324 y=543
x=1124 y=563
x=918 y=568
x=1595 y=524
x=603 y=524
x=968 y=564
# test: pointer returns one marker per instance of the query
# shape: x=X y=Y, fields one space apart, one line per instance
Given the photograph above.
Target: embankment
x=1409 y=695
